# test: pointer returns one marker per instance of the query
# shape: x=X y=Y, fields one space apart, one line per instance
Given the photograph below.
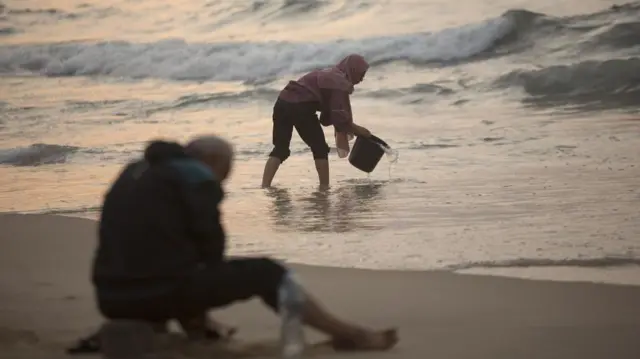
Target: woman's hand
x=360 y=131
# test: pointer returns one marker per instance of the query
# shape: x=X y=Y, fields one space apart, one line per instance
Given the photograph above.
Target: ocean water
x=515 y=123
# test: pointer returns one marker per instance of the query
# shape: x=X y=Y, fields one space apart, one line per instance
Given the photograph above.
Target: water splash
x=392 y=156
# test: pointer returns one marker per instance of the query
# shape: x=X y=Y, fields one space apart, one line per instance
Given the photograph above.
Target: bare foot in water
x=368 y=341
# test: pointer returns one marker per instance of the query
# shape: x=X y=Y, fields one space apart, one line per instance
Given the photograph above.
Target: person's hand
x=361 y=131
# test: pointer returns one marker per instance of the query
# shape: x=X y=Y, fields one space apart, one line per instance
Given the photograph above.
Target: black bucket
x=366 y=153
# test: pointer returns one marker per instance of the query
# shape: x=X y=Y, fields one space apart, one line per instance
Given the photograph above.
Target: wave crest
x=36 y=154
x=178 y=60
x=586 y=81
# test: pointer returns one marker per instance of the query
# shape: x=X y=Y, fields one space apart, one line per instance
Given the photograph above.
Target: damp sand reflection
x=337 y=210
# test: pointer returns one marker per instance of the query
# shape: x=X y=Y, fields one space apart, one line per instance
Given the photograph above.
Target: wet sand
x=47 y=304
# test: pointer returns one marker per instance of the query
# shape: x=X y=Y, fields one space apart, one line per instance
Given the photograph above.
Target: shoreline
x=625 y=273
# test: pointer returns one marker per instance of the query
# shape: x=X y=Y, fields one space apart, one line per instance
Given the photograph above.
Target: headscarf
x=345 y=74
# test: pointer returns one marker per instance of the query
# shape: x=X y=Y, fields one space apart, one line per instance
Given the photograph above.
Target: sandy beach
x=47 y=304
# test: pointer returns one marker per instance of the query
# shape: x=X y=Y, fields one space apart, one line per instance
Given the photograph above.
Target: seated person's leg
x=242 y=279
x=202 y=327
x=232 y=281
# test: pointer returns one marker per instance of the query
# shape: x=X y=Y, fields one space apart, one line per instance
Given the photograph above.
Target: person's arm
x=340 y=114
x=201 y=195
x=203 y=199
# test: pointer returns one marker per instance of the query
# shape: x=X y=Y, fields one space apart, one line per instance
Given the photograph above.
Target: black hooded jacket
x=160 y=222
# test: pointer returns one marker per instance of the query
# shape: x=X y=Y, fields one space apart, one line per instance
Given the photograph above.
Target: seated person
x=161 y=247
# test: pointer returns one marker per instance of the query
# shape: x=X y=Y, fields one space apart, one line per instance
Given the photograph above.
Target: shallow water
x=516 y=130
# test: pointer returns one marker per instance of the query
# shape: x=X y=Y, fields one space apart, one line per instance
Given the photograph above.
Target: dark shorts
x=301 y=116
x=212 y=287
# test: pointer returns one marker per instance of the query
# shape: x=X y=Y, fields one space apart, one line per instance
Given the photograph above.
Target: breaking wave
x=246 y=61
x=617 y=75
x=36 y=155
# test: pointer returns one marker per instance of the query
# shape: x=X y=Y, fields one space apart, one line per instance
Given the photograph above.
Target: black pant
x=208 y=288
x=232 y=281
x=303 y=117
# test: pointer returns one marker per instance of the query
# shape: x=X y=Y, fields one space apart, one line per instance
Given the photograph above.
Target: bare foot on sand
x=225 y=331
x=368 y=341
x=201 y=327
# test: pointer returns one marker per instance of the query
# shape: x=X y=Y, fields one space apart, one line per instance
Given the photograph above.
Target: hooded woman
x=326 y=91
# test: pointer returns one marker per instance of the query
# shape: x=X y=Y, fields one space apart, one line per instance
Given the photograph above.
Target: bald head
x=214 y=151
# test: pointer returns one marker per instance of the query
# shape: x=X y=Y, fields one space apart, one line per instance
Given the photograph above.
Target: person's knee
x=280 y=153
x=320 y=152
x=270 y=271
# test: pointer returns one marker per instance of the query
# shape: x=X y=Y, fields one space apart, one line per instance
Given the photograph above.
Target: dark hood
x=160 y=151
